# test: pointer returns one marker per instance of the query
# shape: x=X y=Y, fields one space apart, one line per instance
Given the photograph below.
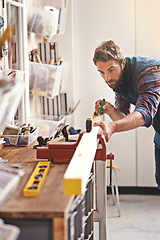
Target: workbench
x=46 y=216
x=38 y=214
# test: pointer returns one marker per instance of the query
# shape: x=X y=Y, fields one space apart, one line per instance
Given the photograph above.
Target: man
x=135 y=80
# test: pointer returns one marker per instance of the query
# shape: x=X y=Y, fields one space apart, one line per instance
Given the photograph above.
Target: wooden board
x=78 y=171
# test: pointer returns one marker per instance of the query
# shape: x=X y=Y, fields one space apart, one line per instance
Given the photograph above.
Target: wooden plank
x=57 y=139
x=78 y=171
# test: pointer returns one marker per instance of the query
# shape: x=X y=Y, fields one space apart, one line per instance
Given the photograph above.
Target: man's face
x=111 y=71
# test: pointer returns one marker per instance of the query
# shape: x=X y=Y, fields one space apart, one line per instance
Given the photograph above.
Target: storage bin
x=45 y=79
x=47 y=124
x=21 y=140
x=43 y=21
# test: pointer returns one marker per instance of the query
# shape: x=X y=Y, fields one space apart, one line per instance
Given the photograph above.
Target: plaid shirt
x=147 y=98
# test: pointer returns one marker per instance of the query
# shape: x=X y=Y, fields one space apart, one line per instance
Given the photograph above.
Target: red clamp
x=62 y=152
x=101 y=151
x=110 y=156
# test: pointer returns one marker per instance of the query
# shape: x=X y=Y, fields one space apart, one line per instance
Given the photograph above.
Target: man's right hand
x=105 y=109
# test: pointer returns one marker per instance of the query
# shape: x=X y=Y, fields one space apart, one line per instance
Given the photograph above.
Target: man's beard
x=119 y=82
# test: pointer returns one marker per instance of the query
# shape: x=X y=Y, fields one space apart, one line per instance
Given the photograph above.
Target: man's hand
x=109 y=109
x=105 y=109
x=107 y=129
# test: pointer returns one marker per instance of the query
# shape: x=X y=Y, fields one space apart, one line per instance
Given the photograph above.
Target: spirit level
x=36 y=180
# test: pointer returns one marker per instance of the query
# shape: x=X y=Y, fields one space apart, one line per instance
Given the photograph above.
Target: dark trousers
x=157 y=158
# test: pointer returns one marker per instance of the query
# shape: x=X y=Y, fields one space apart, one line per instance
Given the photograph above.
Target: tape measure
x=36 y=180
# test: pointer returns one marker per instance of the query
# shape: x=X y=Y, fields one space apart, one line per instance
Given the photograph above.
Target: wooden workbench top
x=50 y=203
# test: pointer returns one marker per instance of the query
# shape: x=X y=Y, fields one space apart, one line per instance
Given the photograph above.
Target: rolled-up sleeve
x=148 y=88
x=121 y=104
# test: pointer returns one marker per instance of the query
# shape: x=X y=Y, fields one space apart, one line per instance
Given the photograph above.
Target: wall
x=147 y=44
x=96 y=21
x=135 y=29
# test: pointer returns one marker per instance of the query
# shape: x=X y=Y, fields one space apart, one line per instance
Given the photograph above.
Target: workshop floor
x=140 y=218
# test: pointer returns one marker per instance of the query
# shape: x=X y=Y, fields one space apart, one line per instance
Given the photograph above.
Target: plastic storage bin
x=43 y=21
x=45 y=79
x=21 y=140
x=47 y=125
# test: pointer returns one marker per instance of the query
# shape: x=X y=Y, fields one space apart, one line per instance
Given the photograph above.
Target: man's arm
x=129 y=122
x=114 y=113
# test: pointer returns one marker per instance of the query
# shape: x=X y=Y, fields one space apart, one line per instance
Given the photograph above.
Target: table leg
x=59 y=229
x=100 y=195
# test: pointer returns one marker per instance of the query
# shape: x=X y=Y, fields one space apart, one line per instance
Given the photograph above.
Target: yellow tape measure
x=36 y=180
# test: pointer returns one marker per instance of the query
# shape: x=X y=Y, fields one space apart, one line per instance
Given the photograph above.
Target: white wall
x=96 y=21
x=134 y=25
x=147 y=44
x=147 y=28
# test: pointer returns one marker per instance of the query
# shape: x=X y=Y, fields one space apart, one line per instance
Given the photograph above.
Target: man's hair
x=107 y=51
